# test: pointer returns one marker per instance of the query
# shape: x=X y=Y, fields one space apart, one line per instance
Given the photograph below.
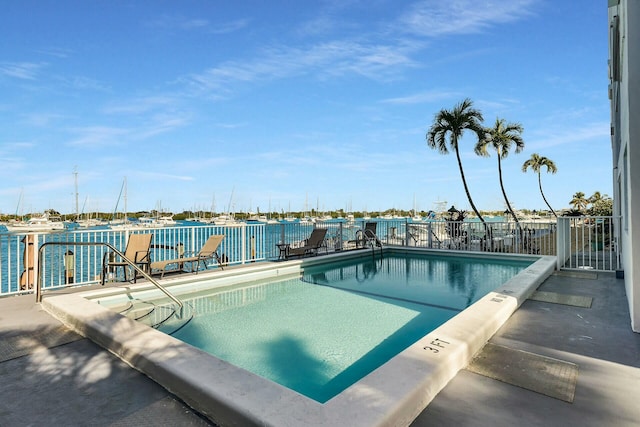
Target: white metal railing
x=589 y=242
x=531 y=237
x=136 y=268
x=579 y=242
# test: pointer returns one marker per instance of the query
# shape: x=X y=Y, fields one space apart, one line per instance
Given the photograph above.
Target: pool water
x=322 y=331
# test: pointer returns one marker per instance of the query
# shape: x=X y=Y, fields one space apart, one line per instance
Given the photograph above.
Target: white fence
x=589 y=243
x=579 y=242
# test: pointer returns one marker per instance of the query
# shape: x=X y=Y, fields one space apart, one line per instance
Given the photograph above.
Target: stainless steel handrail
x=117 y=252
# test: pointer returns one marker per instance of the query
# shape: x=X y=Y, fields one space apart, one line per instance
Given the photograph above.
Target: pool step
x=166 y=316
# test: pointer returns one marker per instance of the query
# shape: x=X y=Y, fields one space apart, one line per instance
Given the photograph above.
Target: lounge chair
x=136 y=252
x=312 y=244
x=208 y=251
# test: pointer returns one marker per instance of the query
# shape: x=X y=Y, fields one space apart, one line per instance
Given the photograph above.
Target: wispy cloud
x=56 y=52
x=422 y=97
x=139 y=105
x=98 y=136
x=434 y=18
x=366 y=54
x=231 y=125
x=159 y=125
x=229 y=27
x=42 y=119
x=85 y=83
x=178 y=23
x=334 y=58
x=165 y=176
x=21 y=70
x=565 y=136
x=16 y=146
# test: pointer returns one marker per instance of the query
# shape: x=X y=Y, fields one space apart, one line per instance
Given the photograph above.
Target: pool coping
x=393 y=394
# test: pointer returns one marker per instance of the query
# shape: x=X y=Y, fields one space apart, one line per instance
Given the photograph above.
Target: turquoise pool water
x=322 y=331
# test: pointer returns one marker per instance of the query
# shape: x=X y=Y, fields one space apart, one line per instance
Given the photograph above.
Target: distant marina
x=54 y=223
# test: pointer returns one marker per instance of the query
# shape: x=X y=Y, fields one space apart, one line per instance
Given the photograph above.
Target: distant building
x=624 y=93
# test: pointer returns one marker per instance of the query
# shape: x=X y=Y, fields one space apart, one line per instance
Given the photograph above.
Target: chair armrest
x=142 y=257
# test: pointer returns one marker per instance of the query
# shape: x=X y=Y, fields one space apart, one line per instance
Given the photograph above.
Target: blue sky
x=286 y=103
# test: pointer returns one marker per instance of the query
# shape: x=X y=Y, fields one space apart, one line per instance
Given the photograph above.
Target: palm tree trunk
x=544 y=198
x=504 y=194
x=466 y=189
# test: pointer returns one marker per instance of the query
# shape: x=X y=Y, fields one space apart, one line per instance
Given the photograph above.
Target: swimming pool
x=319 y=332
x=395 y=387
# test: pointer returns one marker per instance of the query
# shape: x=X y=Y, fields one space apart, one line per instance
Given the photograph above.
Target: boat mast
x=75 y=174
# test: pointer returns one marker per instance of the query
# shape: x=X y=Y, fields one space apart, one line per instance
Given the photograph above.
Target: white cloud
x=20 y=70
x=229 y=27
x=570 y=135
x=99 y=136
x=181 y=23
x=333 y=58
x=160 y=125
x=435 y=18
x=166 y=176
x=422 y=97
x=42 y=119
x=56 y=52
x=178 y=22
x=139 y=105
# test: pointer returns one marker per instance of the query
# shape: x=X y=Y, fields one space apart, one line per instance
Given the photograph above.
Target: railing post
x=406 y=232
x=282 y=233
x=243 y=240
x=193 y=240
x=563 y=241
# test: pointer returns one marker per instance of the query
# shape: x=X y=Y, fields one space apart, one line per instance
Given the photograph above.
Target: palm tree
x=453 y=123
x=536 y=162
x=595 y=198
x=502 y=136
x=579 y=202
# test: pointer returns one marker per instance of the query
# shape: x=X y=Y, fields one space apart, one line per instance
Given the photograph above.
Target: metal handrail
x=117 y=252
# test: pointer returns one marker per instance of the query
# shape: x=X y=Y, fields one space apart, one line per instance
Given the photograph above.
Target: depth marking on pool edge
x=436 y=345
x=499 y=298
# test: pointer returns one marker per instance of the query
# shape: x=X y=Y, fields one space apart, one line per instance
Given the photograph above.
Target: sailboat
x=122 y=223
x=415 y=217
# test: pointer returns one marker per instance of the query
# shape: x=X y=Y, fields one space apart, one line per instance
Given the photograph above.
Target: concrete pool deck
x=79 y=383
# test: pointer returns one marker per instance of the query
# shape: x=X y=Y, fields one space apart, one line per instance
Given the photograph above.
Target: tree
x=595 y=198
x=579 y=202
x=502 y=136
x=453 y=123
x=602 y=207
x=536 y=163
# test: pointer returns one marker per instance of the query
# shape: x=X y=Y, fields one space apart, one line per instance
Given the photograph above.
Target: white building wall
x=625 y=121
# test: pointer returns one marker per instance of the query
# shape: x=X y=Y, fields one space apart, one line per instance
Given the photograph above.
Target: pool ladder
x=368 y=237
x=117 y=252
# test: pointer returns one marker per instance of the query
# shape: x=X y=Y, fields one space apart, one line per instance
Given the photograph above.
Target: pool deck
x=51 y=376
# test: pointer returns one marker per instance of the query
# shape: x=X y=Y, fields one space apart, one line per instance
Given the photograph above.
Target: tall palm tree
x=453 y=123
x=596 y=197
x=579 y=201
x=536 y=163
x=502 y=136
